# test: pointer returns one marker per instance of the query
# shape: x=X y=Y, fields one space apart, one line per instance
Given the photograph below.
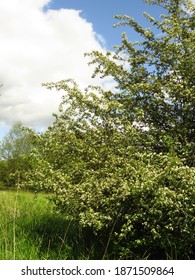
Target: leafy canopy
x=155 y=77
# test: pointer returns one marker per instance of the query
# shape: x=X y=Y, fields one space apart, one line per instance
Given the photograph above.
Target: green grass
x=31 y=229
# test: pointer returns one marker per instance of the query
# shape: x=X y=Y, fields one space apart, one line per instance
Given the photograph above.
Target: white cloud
x=40 y=46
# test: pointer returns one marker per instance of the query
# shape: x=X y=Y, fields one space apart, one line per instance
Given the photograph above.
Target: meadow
x=31 y=229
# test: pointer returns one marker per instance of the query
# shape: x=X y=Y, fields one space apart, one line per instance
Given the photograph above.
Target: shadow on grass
x=58 y=239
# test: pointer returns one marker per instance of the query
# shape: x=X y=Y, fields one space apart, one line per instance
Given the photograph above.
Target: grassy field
x=30 y=229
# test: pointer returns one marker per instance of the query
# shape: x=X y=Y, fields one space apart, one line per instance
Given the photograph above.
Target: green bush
x=145 y=206
x=137 y=203
x=121 y=162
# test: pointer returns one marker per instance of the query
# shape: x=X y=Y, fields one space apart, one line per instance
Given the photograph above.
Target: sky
x=45 y=41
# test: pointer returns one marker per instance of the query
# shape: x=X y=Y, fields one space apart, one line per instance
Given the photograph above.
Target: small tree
x=14 y=151
x=16 y=143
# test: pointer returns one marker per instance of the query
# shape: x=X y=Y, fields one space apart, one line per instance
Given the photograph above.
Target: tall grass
x=31 y=229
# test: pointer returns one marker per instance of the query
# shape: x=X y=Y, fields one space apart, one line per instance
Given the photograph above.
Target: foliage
x=102 y=178
x=17 y=142
x=11 y=171
x=121 y=163
x=155 y=77
x=14 y=151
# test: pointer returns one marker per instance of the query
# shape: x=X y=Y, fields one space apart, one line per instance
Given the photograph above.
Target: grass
x=30 y=229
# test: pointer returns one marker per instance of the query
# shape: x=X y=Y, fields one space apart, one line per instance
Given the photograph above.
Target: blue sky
x=101 y=14
x=45 y=41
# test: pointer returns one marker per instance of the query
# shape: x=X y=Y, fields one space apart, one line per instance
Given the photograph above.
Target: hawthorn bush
x=139 y=202
x=121 y=163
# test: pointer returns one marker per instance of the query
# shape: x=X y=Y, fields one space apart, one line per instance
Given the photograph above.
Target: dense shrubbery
x=12 y=171
x=140 y=202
